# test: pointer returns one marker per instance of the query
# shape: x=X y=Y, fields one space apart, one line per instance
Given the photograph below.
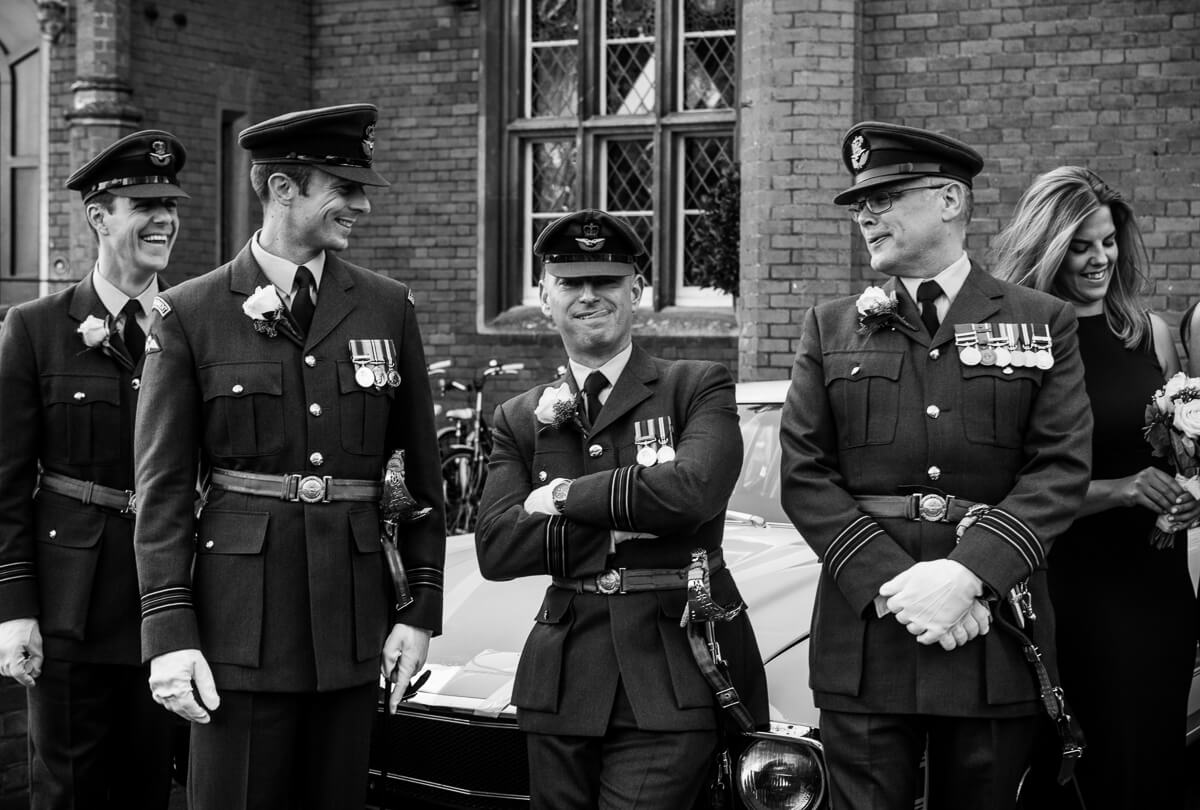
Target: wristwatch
x=559 y=494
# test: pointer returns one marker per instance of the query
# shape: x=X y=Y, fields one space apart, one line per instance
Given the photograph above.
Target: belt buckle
x=608 y=582
x=313 y=489
x=933 y=507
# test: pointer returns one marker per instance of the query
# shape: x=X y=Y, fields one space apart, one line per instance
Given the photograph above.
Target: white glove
x=21 y=650
x=931 y=597
x=172 y=676
x=977 y=621
x=541 y=500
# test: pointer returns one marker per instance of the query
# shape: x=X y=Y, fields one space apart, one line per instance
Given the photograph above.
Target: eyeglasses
x=879 y=201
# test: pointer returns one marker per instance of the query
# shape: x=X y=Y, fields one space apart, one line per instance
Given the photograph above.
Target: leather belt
x=931 y=506
x=297 y=488
x=89 y=492
x=617 y=581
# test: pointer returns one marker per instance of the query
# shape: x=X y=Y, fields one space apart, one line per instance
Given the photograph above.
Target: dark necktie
x=927 y=293
x=302 y=303
x=132 y=334
x=592 y=386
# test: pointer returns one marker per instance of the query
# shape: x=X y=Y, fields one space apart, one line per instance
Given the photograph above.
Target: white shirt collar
x=282 y=272
x=114 y=300
x=611 y=370
x=949 y=279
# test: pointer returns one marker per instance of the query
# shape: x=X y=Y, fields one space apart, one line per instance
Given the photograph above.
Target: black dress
x=1126 y=611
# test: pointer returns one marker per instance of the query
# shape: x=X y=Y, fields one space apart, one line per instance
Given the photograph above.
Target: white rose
x=1187 y=418
x=1176 y=384
x=265 y=301
x=94 y=331
x=554 y=402
x=871 y=300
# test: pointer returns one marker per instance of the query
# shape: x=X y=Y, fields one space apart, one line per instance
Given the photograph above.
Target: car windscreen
x=757 y=489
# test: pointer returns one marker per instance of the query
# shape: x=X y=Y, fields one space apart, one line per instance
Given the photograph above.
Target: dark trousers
x=874 y=760
x=279 y=751
x=97 y=739
x=625 y=769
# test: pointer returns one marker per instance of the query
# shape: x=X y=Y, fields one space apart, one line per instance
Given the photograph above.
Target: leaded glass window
x=625 y=105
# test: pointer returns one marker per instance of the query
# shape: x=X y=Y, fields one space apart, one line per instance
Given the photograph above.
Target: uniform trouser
x=97 y=739
x=278 y=751
x=625 y=769
x=874 y=760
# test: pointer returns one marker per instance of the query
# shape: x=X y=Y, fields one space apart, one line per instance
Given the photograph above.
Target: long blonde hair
x=1030 y=251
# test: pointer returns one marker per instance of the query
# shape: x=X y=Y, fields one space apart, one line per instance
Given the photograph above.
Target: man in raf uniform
x=607 y=483
x=287 y=377
x=70 y=370
x=935 y=441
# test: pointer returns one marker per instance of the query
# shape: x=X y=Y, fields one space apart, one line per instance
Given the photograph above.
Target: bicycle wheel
x=458 y=492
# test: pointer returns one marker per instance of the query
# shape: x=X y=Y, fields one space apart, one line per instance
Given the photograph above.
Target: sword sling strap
x=1053 y=700
x=699 y=619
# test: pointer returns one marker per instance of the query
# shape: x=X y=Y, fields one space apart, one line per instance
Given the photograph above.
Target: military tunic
x=895 y=412
x=281 y=596
x=582 y=644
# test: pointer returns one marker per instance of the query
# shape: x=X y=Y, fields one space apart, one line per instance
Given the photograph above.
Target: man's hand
x=21 y=650
x=404 y=653
x=931 y=597
x=172 y=676
x=541 y=500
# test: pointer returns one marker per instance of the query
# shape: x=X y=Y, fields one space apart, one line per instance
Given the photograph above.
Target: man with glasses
x=935 y=441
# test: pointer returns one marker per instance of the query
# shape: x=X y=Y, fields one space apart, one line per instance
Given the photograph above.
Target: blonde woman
x=1126 y=612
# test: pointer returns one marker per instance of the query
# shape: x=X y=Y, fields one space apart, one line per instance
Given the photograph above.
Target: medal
x=987 y=356
x=666 y=437
x=1043 y=359
x=364 y=377
x=389 y=363
x=1003 y=356
x=393 y=378
x=644 y=439
x=379 y=375
x=969 y=356
x=964 y=339
x=666 y=453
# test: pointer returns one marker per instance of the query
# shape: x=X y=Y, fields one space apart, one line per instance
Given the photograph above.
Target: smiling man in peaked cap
x=70 y=373
x=288 y=376
x=931 y=471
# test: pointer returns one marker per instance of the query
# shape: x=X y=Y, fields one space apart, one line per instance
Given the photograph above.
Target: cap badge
x=159 y=154
x=368 y=141
x=591 y=239
x=860 y=152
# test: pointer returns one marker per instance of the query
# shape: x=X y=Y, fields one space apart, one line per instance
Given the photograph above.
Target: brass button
x=934 y=354
x=314 y=409
x=209 y=544
x=855 y=370
x=933 y=411
x=237 y=389
x=135 y=383
x=53 y=533
x=595 y=451
x=542 y=475
x=934 y=472
x=309 y=360
x=316 y=459
x=1008 y=370
x=80 y=396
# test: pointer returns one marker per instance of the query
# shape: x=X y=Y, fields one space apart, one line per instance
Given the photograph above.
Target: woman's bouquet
x=1172 y=429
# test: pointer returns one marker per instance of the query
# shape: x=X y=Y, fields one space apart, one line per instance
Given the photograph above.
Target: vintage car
x=456 y=743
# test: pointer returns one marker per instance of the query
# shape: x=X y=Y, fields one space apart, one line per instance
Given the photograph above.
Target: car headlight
x=781 y=773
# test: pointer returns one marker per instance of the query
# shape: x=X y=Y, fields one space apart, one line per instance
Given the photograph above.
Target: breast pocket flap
x=241 y=380
x=82 y=389
x=856 y=366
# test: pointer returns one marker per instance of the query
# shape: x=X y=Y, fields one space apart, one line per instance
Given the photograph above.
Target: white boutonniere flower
x=97 y=332
x=557 y=407
x=264 y=308
x=877 y=310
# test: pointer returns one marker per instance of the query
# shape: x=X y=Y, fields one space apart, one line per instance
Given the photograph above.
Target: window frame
x=506 y=209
